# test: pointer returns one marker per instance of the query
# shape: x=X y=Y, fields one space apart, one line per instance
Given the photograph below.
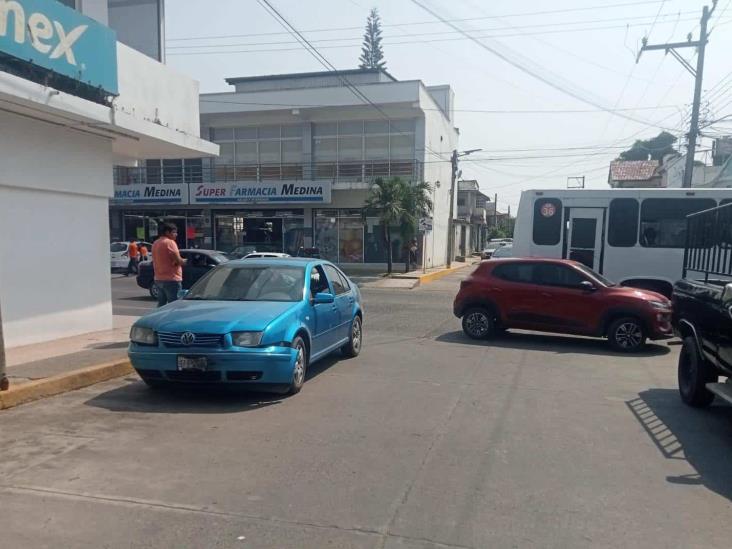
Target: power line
x=409 y=42
x=522 y=67
x=475 y=111
x=539 y=25
x=327 y=64
x=414 y=23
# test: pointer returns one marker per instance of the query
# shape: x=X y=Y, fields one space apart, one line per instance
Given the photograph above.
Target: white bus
x=634 y=237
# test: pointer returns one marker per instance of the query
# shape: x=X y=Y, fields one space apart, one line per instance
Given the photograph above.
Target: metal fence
x=709 y=242
x=223 y=173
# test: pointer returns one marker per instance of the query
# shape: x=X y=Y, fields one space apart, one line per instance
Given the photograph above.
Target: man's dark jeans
x=167 y=291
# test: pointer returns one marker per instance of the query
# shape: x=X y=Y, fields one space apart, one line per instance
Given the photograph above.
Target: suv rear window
x=515 y=272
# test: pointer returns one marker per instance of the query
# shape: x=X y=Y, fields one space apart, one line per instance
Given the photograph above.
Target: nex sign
x=61 y=40
x=40 y=30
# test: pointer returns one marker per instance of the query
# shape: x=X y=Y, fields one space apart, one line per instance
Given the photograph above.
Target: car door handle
x=546 y=294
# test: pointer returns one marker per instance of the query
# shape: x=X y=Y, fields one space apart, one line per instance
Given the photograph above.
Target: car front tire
x=301 y=366
x=353 y=348
x=478 y=323
x=627 y=334
x=154 y=291
x=694 y=373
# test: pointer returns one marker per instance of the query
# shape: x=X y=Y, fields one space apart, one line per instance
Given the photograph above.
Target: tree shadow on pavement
x=561 y=344
x=701 y=437
x=135 y=396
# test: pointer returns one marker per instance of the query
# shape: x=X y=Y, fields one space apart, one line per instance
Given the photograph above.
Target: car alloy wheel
x=356 y=334
x=477 y=323
x=300 y=367
x=154 y=291
x=629 y=335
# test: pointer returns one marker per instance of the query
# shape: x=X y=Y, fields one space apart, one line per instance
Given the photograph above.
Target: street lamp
x=450 y=227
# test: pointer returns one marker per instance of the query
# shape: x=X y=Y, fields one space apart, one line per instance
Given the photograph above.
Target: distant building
x=299 y=153
x=472 y=218
x=634 y=173
x=673 y=168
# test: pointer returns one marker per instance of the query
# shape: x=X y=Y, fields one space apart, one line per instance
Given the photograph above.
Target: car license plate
x=192 y=364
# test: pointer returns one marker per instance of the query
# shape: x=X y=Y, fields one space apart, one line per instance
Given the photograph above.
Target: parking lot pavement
x=128 y=298
x=425 y=440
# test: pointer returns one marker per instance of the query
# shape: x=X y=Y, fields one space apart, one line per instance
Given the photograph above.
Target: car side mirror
x=323 y=297
x=727 y=295
x=182 y=294
x=587 y=286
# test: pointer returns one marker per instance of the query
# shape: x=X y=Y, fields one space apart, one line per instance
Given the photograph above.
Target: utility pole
x=697 y=73
x=4 y=384
x=453 y=181
x=495 y=212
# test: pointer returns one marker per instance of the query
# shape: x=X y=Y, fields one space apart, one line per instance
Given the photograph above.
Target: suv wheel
x=478 y=323
x=154 y=291
x=694 y=374
x=627 y=334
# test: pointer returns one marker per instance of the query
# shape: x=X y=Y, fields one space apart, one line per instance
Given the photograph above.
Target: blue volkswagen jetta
x=257 y=322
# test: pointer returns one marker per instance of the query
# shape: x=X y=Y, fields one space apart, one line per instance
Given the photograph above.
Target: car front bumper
x=272 y=365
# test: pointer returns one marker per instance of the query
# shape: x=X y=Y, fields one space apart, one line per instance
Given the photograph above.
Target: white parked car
x=259 y=255
x=503 y=251
x=493 y=245
x=119 y=257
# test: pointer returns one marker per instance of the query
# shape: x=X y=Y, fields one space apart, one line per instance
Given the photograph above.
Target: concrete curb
x=431 y=277
x=62 y=383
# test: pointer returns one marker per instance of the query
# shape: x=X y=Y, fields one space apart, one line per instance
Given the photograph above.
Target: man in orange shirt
x=132 y=252
x=167 y=265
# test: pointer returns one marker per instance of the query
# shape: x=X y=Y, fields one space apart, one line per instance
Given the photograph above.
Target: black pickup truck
x=702 y=308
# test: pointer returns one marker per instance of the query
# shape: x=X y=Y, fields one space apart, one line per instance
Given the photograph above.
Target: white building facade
x=72 y=106
x=299 y=153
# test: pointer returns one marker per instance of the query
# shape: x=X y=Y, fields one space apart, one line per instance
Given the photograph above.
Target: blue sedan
x=255 y=322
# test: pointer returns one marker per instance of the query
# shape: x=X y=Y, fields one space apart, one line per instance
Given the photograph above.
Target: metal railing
x=223 y=173
x=708 y=247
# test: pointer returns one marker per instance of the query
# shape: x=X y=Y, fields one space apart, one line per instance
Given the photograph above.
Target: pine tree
x=372 y=56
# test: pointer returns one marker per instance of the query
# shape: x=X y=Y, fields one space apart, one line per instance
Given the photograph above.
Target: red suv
x=550 y=295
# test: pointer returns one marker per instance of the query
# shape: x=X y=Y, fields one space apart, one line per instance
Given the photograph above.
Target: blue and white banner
x=151 y=194
x=50 y=35
x=274 y=192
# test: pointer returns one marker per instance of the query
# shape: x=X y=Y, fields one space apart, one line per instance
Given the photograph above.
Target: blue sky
x=580 y=53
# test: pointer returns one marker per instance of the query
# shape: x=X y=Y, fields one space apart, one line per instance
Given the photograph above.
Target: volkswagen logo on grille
x=188 y=338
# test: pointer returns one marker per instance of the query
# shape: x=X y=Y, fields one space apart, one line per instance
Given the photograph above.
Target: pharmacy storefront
x=281 y=216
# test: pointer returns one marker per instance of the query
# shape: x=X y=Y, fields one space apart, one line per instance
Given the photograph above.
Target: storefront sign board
x=151 y=194
x=57 y=38
x=274 y=192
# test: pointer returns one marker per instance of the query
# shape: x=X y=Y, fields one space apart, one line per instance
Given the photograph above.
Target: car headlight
x=144 y=336
x=246 y=339
x=661 y=305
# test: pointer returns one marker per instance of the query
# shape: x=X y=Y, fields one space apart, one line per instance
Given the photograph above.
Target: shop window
x=375 y=247
x=377 y=126
x=623 y=223
x=328 y=128
x=294 y=235
x=547 y=221
x=246 y=152
x=350 y=240
x=222 y=134
x=663 y=220
x=350 y=128
x=326 y=235
x=269 y=132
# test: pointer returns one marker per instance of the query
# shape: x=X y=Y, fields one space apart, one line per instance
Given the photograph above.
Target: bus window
x=622 y=229
x=663 y=220
x=547 y=221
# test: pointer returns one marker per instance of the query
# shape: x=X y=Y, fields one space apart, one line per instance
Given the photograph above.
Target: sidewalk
x=413 y=279
x=51 y=358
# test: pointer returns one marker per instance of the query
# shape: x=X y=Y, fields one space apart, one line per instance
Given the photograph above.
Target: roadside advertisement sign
x=52 y=36
x=151 y=194
x=274 y=192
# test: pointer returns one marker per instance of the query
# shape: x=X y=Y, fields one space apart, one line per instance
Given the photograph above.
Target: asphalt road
x=427 y=440
x=128 y=298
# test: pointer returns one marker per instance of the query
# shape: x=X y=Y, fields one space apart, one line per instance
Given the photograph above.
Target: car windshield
x=118 y=247
x=250 y=283
x=596 y=276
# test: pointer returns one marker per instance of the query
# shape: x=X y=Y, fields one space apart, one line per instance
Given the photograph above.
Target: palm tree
x=416 y=204
x=386 y=201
